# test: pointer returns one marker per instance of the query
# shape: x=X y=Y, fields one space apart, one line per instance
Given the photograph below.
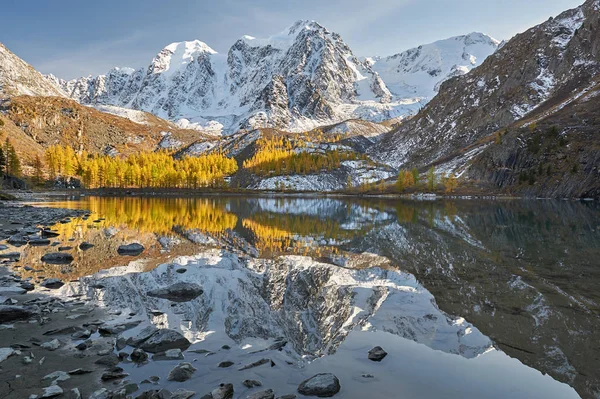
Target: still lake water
x=469 y=298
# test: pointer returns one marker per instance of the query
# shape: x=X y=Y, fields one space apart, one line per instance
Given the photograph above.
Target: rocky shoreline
x=69 y=346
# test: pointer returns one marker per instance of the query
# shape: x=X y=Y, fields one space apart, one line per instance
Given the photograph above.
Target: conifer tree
x=38 y=174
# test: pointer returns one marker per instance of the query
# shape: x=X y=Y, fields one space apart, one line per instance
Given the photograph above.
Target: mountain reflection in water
x=525 y=273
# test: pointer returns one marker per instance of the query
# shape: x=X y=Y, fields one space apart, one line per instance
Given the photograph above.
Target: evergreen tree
x=38 y=174
x=2 y=162
x=431 y=179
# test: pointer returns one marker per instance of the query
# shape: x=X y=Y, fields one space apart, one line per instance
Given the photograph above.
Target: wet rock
x=52 y=283
x=156 y=394
x=121 y=343
x=251 y=383
x=377 y=354
x=5 y=353
x=12 y=291
x=123 y=356
x=11 y=255
x=73 y=394
x=142 y=336
x=133 y=249
x=224 y=391
x=79 y=371
x=171 y=354
x=65 y=248
x=13 y=313
x=178 y=292
x=56 y=377
x=139 y=356
x=226 y=347
x=17 y=240
x=290 y=396
x=114 y=375
x=226 y=364
x=57 y=258
x=109 y=360
x=83 y=345
x=27 y=286
x=51 y=345
x=84 y=246
x=182 y=372
x=181 y=270
x=256 y=364
x=182 y=394
x=49 y=233
x=52 y=391
x=39 y=242
x=81 y=334
x=266 y=394
x=323 y=385
x=164 y=340
x=106 y=329
x=101 y=394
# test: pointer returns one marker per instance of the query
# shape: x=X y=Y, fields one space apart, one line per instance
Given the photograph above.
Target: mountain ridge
x=299 y=79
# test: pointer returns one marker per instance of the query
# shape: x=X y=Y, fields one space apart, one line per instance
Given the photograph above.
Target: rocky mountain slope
x=542 y=67
x=34 y=123
x=19 y=78
x=301 y=78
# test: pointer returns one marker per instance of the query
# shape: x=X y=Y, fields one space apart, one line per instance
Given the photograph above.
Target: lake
x=473 y=298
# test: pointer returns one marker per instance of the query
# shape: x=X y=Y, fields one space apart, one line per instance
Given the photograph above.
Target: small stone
x=182 y=394
x=51 y=345
x=226 y=364
x=224 y=391
x=256 y=364
x=52 y=283
x=113 y=375
x=267 y=394
x=226 y=347
x=52 y=391
x=181 y=270
x=251 y=383
x=323 y=385
x=84 y=246
x=57 y=258
x=178 y=292
x=133 y=249
x=73 y=394
x=377 y=354
x=182 y=372
x=27 y=360
x=101 y=394
x=56 y=377
x=139 y=356
x=79 y=371
x=121 y=343
x=108 y=360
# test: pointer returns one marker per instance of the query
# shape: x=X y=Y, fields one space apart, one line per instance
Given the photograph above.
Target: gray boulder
x=52 y=283
x=377 y=354
x=266 y=394
x=164 y=340
x=57 y=258
x=323 y=385
x=181 y=372
x=132 y=249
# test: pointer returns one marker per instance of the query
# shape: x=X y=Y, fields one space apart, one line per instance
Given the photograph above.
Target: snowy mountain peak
x=418 y=72
x=298 y=79
x=177 y=55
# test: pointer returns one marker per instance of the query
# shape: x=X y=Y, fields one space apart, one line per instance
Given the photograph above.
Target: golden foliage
x=145 y=169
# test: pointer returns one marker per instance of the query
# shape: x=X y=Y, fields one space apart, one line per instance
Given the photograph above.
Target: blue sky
x=76 y=38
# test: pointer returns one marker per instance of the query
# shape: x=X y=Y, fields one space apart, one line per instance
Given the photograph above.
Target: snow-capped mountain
x=304 y=77
x=418 y=72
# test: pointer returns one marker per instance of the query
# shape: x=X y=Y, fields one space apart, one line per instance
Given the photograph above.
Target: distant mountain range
x=519 y=117
x=299 y=79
